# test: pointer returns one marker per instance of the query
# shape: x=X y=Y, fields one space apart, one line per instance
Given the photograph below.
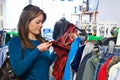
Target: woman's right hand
x=44 y=46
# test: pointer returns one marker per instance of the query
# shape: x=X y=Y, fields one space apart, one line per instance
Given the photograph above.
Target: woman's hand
x=44 y=46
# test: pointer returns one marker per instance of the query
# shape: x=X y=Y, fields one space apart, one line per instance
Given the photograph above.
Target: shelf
x=78 y=16
x=91 y=13
x=75 y=17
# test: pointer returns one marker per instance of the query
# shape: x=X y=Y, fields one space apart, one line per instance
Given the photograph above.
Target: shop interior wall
x=109 y=11
x=53 y=9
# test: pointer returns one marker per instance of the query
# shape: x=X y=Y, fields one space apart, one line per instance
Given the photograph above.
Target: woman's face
x=35 y=25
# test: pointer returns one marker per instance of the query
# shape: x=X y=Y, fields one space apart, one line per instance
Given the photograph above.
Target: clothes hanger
x=82 y=34
x=111 y=46
x=82 y=31
x=94 y=38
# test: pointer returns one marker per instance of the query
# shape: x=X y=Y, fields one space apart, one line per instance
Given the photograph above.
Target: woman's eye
x=37 y=22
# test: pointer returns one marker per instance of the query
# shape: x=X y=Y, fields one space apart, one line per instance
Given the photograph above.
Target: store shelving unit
x=91 y=14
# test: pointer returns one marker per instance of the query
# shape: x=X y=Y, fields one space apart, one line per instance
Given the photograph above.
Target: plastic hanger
x=82 y=31
x=94 y=38
x=111 y=46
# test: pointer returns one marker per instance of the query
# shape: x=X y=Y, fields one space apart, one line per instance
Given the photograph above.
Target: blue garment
x=77 y=58
x=116 y=51
x=73 y=50
x=35 y=64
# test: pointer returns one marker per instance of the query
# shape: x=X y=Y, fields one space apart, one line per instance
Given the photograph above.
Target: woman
x=29 y=53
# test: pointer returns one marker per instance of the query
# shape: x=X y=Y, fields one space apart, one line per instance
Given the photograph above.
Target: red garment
x=61 y=47
x=102 y=74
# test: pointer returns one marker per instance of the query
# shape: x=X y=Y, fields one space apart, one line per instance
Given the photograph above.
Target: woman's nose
x=40 y=25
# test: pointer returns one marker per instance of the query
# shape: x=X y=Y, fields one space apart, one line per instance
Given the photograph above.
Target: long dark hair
x=29 y=13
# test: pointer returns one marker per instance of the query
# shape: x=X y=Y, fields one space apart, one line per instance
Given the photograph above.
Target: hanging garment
x=90 y=68
x=62 y=46
x=73 y=50
x=77 y=58
x=60 y=27
x=114 y=72
x=102 y=58
x=3 y=51
x=2 y=38
x=81 y=68
x=114 y=61
x=102 y=74
x=88 y=48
